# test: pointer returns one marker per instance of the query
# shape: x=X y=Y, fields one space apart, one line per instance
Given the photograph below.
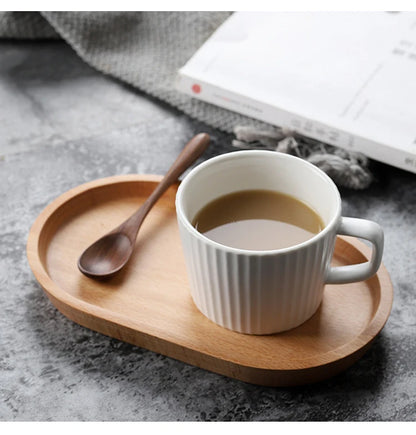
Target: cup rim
x=246 y=154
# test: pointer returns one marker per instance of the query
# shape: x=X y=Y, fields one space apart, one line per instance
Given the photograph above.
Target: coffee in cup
x=257 y=220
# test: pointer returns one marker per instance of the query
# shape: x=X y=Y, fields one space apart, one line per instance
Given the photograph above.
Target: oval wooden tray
x=148 y=303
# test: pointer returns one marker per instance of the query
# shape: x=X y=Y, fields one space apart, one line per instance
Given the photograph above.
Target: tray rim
x=62 y=300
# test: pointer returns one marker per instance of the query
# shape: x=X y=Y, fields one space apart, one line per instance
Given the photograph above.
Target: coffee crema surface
x=258 y=220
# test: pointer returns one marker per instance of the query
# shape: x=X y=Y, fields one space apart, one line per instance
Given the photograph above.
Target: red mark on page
x=196 y=88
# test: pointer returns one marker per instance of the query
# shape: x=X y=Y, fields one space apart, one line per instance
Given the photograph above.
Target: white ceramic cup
x=265 y=292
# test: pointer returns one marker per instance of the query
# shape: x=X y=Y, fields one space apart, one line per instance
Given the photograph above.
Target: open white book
x=345 y=78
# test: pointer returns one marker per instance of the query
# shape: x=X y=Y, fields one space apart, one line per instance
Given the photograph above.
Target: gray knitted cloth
x=145 y=49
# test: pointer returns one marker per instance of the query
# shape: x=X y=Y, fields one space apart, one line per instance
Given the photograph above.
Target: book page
x=355 y=71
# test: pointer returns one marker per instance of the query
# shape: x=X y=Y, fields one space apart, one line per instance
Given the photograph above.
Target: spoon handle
x=192 y=150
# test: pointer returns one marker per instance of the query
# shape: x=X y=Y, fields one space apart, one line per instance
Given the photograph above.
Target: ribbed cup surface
x=256 y=293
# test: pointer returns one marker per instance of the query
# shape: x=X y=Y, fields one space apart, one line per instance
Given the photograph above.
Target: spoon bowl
x=110 y=253
x=106 y=256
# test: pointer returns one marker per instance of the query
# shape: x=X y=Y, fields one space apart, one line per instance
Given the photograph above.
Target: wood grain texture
x=148 y=303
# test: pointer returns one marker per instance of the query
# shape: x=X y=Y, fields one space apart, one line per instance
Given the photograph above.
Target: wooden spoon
x=111 y=252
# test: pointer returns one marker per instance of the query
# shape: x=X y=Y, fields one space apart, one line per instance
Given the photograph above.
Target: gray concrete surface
x=62 y=124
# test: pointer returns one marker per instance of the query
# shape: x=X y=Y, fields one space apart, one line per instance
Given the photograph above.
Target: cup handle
x=364 y=229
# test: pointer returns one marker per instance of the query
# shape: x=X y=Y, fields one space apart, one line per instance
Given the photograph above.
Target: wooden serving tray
x=148 y=303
